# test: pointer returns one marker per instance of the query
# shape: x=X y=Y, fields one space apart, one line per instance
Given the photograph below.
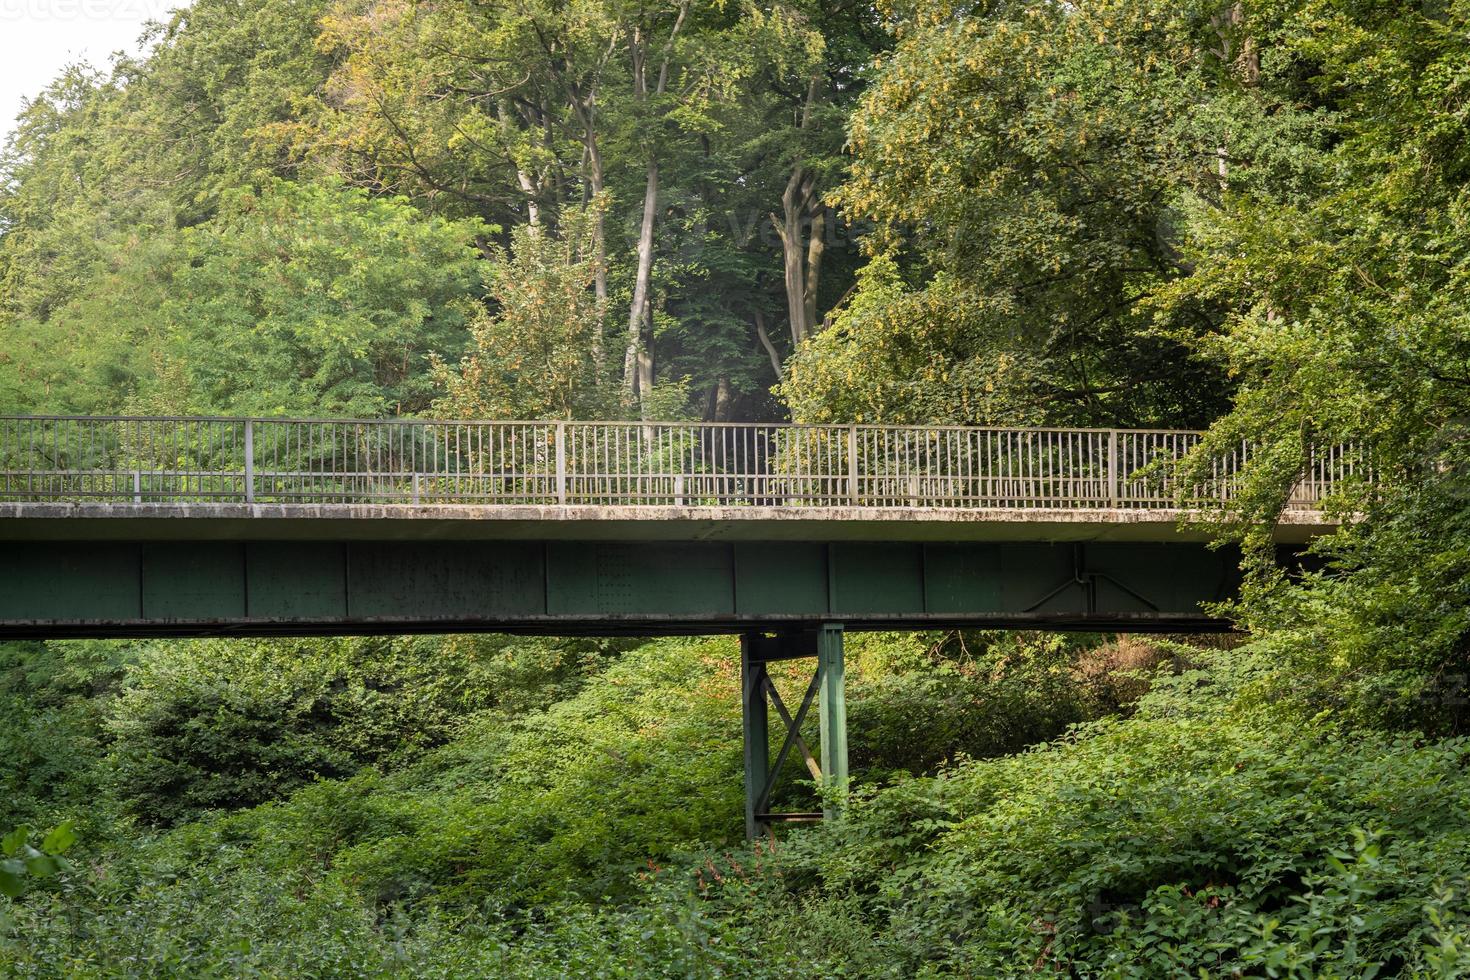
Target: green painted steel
x=103 y=588
x=806 y=593
x=759 y=695
x=832 y=717
x=755 y=724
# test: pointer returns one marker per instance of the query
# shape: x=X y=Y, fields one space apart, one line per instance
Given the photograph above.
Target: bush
x=601 y=836
x=920 y=700
x=223 y=724
x=53 y=745
x=1159 y=846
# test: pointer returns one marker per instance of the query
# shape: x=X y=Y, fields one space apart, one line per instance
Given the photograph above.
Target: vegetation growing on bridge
x=1242 y=215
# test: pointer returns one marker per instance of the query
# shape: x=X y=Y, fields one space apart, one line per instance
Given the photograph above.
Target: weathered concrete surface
x=391 y=522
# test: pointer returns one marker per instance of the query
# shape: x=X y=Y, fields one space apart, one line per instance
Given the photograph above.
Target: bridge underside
x=52 y=588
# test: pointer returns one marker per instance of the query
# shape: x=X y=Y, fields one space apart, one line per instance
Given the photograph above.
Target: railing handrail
x=592 y=423
x=275 y=458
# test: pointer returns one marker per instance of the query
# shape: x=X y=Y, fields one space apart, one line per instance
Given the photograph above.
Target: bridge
x=785 y=534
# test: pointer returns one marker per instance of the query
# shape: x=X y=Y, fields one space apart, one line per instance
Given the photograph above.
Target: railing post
x=416 y=497
x=250 y=461
x=561 y=463
x=1113 y=467
x=137 y=486
x=852 y=466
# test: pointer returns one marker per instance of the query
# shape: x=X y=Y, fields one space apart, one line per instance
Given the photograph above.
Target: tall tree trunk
x=793 y=266
x=533 y=209
x=638 y=364
x=1238 y=53
x=599 y=239
x=816 y=246
x=599 y=231
x=523 y=179
x=722 y=400
x=802 y=257
x=633 y=371
x=584 y=107
x=802 y=230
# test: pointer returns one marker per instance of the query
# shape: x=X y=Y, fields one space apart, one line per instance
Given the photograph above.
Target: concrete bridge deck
x=107 y=521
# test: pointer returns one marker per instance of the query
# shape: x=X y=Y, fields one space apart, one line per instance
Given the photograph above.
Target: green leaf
x=42 y=865
x=59 y=839
x=12 y=878
x=12 y=841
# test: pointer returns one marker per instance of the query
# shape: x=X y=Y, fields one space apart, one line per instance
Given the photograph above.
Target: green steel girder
x=805 y=592
x=105 y=588
x=565 y=586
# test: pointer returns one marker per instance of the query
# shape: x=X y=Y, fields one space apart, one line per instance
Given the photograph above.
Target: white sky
x=39 y=37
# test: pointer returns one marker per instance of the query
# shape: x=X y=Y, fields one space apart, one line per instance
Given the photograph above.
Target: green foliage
x=919 y=701
x=226 y=724
x=55 y=698
x=543 y=353
x=579 y=839
x=307 y=299
x=1154 y=847
x=311 y=299
x=1018 y=162
x=20 y=860
x=1343 y=265
x=97 y=167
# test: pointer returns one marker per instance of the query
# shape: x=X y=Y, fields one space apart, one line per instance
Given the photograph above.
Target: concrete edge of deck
x=66 y=521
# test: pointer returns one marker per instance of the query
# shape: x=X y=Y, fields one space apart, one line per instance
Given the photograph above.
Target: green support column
x=757 y=732
x=832 y=713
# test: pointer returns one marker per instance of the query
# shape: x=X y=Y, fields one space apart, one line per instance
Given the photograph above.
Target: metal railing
x=149 y=460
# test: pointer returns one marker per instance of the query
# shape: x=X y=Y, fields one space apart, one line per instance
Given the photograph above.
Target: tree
x=302 y=299
x=321 y=300
x=99 y=158
x=1342 y=257
x=533 y=357
x=513 y=112
x=1019 y=164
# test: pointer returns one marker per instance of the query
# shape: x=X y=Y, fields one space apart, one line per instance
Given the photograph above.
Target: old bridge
x=785 y=534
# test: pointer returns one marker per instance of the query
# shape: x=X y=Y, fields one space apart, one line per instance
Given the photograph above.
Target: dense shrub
x=54 y=699
x=556 y=836
x=600 y=836
x=221 y=724
x=918 y=700
x=1159 y=846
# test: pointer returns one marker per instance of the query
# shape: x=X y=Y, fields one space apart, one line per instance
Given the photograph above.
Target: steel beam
x=832 y=713
x=204 y=587
x=759 y=695
x=755 y=726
